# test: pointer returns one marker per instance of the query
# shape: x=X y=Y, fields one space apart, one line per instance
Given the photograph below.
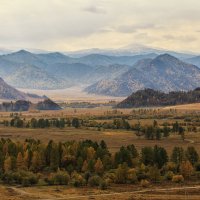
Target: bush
x=110 y=177
x=144 y=183
x=103 y=185
x=177 y=179
x=132 y=177
x=58 y=178
x=42 y=182
x=169 y=175
x=21 y=177
x=77 y=180
x=94 y=181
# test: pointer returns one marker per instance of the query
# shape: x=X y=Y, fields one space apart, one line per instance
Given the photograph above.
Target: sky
x=69 y=25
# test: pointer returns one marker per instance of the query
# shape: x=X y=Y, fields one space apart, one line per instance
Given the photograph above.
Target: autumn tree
x=20 y=161
x=186 y=169
x=7 y=164
x=36 y=162
x=99 y=166
x=85 y=166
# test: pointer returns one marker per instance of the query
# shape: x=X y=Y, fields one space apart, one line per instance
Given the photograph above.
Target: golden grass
x=114 y=138
x=186 y=107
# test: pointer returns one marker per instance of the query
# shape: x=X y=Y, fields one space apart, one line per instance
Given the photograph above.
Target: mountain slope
x=34 y=78
x=149 y=97
x=72 y=72
x=194 y=60
x=8 y=92
x=164 y=73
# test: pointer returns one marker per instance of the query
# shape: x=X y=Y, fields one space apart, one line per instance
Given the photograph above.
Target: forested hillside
x=149 y=97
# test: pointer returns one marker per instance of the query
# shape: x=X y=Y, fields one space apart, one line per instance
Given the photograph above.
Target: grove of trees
x=91 y=163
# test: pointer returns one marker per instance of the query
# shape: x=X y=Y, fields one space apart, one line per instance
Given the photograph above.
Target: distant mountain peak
x=166 y=57
x=22 y=51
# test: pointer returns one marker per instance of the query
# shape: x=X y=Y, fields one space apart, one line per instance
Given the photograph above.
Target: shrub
x=58 y=178
x=103 y=185
x=132 y=177
x=122 y=173
x=186 y=169
x=21 y=177
x=77 y=180
x=169 y=175
x=110 y=177
x=144 y=183
x=94 y=181
x=42 y=182
x=170 y=166
x=177 y=179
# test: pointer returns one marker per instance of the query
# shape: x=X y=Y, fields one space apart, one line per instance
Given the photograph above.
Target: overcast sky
x=66 y=25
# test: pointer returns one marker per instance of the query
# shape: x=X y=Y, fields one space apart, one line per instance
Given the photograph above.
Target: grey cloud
x=95 y=9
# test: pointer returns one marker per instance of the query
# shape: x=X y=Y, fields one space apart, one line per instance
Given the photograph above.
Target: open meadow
x=99 y=124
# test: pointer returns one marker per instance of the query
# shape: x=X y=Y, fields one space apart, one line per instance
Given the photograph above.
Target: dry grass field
x=114 y=138
x=120 y=192
x=186 y=107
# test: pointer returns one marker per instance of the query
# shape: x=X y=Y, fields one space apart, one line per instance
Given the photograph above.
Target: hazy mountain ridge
x=30 y=76
x=56 y=71
x=165 y=73
x=194 y=60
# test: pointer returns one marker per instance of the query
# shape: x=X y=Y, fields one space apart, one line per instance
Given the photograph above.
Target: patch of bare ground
x=120 y=192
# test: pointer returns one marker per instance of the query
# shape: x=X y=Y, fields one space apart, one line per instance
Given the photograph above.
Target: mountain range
x=165 y=73
x=115 y=73
x=23 y=69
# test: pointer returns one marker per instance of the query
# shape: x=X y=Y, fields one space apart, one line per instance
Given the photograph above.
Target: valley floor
x=123 y=192
x=72 y=94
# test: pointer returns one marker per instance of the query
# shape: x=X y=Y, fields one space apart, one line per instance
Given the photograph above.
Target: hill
x=23 y=105
x=47 y=104
x=149 y=97
x=165 y=73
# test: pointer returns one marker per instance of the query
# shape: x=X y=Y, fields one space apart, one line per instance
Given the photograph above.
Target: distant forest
x=150 y=97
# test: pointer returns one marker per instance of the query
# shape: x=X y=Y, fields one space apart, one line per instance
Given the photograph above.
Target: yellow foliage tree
x=26 y=159
x=85 y=166
x=90 y=153
x=36 y=162
x=99 y=166
x=20 y=161
x=7 y=164
x=186 y=169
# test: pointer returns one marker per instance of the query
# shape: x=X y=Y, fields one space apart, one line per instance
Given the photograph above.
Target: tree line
x=91 y=163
